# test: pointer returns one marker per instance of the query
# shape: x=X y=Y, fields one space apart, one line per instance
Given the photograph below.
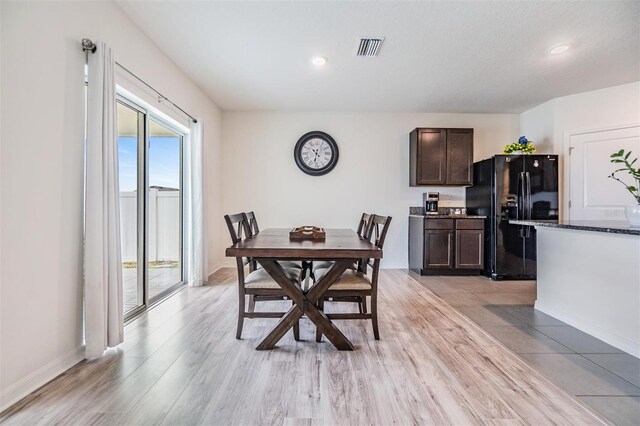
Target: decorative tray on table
x=307 y=233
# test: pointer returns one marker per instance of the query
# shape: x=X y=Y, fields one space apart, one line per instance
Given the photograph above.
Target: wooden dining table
x=269 y=246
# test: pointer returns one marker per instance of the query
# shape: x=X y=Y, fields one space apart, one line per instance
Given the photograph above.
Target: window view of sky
x=164 y=162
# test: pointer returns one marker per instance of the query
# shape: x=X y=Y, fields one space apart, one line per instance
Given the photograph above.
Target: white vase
x=633 y=215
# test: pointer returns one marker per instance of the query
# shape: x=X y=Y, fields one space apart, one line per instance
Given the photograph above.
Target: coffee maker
x=431 y=203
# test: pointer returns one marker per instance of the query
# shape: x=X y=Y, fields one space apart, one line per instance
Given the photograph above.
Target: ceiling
x=483 y=57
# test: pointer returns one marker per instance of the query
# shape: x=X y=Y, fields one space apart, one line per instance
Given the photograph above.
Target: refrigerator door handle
x=520 y=211
x=528 y=203
x=519 y=197
x=528 y=189
x=521 y=200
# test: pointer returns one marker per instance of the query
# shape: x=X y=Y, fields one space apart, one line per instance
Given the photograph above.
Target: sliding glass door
x=164 y=193
x=151 y=206
x=131 y=123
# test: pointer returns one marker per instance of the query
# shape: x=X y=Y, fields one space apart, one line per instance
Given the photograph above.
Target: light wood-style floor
x=180 y=364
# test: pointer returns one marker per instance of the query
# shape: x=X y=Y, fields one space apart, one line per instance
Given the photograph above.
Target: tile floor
x=603 y=377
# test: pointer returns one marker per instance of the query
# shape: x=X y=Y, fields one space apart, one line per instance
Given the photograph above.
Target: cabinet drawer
x=470 y=224
x=438 y=224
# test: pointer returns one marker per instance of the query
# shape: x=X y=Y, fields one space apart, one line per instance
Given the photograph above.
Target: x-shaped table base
x=305 y=304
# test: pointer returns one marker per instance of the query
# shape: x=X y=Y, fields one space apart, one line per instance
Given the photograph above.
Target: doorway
x=150 y=155
x=592 y=195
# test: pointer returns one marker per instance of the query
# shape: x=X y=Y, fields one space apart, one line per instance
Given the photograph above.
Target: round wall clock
x=316 y=153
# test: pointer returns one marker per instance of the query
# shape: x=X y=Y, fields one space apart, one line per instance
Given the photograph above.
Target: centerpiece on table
x=622 y=157
x=308 y=233
x=523 y=146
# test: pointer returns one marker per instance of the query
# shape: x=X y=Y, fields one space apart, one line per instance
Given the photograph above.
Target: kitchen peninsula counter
x=612 y=227
x=589 y=277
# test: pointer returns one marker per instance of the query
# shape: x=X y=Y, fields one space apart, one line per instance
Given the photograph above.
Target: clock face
x=316 y=153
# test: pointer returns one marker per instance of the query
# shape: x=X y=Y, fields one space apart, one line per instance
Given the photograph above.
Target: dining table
x=270 y=246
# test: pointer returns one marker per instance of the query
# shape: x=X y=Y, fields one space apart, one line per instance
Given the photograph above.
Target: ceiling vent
x=369 y=46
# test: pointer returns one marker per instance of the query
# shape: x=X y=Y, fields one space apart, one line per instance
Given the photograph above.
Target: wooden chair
x=361 y=265
x=356 y=285
x=362 y=230
x=258 y=284
x=254 y=229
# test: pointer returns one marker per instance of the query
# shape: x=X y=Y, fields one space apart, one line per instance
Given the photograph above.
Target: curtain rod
x=89 y=47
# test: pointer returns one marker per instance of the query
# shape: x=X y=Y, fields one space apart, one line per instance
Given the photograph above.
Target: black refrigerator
x=507 y=187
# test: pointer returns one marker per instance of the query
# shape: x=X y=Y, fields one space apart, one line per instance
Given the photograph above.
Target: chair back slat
x=363 y=225
x=378 y=229
x=252 y=223
x=377 y=234
x=238 y=227
x=363 y=232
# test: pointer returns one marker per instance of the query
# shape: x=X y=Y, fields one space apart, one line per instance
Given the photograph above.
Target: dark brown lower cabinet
x=446 y=246
x=438 y=251
x=469 y=249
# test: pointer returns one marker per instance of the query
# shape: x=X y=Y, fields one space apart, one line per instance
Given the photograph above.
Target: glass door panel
x=164 y=217
x=130 y=133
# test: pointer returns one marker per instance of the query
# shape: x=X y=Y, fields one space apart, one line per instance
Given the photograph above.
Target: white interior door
x=593 y=195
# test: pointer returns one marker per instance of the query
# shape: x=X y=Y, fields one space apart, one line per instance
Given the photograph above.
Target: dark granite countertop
x=444 y=213
x=449 y=216
x=612 y=227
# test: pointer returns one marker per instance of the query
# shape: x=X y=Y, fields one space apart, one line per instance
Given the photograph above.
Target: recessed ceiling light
x=318 y=61
x=559 y=49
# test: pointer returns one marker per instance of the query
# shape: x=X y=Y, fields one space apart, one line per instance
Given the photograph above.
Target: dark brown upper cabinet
x=440 y=157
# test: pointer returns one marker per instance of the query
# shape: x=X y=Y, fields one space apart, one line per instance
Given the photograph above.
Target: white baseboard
x=607 y=336
x=38 y=378
x=228 y=263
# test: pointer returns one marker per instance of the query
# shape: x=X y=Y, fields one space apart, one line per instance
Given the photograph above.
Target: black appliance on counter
x=431 y=204
x=507 y=187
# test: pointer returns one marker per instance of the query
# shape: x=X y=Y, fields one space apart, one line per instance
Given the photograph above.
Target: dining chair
x=362 y=231
x=254 y=229
x=361 y=265
x=258 y=284
x=354 y=284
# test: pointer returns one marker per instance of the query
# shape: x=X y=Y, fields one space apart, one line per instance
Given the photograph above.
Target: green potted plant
x=523 y=146
x=622 y=157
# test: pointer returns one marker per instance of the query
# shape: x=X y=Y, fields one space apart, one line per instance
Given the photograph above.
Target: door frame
x=142 y=227
x=183 y=247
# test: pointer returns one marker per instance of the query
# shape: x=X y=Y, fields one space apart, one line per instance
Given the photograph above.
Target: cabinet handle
x=450 y=250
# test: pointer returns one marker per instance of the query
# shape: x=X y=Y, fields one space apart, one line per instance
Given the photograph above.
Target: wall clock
x=316 y=153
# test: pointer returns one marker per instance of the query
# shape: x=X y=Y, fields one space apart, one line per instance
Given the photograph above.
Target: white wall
x=42 y=109
x=550 y=123
x=372 y=174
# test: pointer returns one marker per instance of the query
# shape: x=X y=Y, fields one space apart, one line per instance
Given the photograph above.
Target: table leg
x=285 y=323
x=305 y=304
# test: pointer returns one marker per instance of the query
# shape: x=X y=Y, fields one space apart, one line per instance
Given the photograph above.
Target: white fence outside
x=164 y=225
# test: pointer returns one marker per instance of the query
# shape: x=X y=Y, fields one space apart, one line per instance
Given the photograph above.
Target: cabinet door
x=469 y=249
x=438 y=248
x=431 y=157
x=459 y=157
